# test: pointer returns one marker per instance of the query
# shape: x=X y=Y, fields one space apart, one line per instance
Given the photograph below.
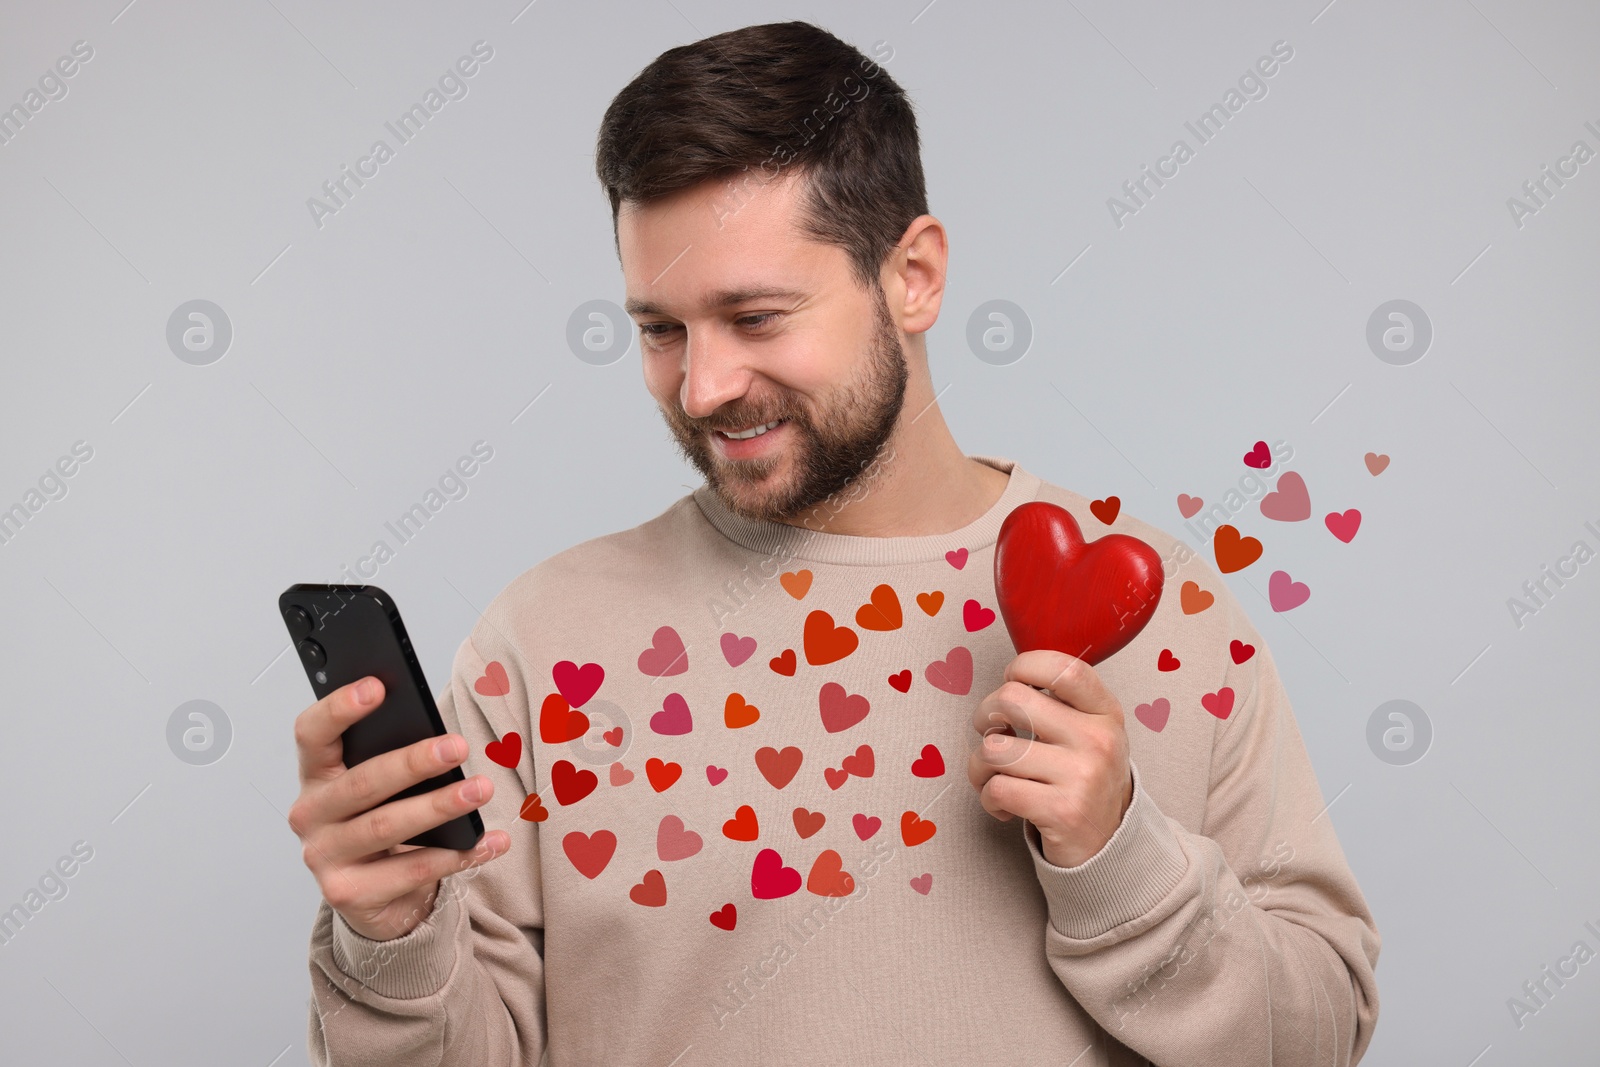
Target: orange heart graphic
x=1234 y=553
x=828 y=878
x=742 y=827
x=915 y=830
x=882 y=612
x=930 y=603
x=825 y=642
x=661 y=774
x=1106 y=510
x=808 y=822
x=1194 y=599
x=736 y=712
x=494 y=682
x=559 y=723
x=533 y=809
x=796 y=583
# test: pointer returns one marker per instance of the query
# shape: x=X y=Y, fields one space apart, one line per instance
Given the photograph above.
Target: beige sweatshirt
x=742 y=830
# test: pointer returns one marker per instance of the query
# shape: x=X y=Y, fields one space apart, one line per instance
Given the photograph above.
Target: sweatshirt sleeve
x=466 y=985
x=1246 y=944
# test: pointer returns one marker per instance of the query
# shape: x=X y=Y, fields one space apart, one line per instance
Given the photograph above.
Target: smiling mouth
x=753 y=431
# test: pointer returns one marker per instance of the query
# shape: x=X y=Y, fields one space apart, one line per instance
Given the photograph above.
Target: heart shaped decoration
x=1057 y=591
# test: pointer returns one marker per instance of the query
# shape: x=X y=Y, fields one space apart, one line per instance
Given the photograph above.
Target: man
x=732 y=826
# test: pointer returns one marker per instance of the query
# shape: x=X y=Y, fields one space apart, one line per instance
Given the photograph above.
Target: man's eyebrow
x=721 y=299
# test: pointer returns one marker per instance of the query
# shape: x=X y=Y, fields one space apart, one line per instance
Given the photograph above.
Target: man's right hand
x=381 y=886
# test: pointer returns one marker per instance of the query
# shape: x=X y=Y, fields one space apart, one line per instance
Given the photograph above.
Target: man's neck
x=921 y=484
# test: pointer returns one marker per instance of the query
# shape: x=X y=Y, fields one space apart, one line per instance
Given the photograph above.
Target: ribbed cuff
x=404 y=968
x=1127 y=878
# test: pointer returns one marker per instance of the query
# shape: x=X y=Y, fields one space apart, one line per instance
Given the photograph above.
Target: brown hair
x=775 y=96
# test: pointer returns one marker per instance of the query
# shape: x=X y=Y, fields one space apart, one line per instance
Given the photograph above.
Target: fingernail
x=472 y=791
x=364 y=691
x=445 y=749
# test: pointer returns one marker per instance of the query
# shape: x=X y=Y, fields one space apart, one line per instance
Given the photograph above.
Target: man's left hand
x=1072 y=779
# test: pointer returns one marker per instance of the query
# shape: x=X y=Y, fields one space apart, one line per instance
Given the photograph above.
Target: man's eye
x=759 y=319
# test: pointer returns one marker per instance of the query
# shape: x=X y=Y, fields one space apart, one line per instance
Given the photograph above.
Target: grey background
x=370 y=353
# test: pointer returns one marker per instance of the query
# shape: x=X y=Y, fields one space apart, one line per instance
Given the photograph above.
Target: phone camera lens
x=312 y=653
x=299 y=620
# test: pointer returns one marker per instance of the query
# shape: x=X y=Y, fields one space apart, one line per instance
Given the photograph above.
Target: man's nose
x=714 y=372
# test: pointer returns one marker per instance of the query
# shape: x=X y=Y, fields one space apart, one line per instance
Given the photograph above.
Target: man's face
x=817 y=356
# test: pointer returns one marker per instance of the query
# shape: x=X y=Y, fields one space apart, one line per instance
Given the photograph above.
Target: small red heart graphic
x=778 y=768
x=784 y=664
x=1233 y=552
x=589 y=853
x=769 y=878
x=922 y=883
x=1343 y=526
x=738 y=712
x=841 y=710
x=620 y=775
x=866 y=825
x=956 y=557
x=1219 y=703
x=860 y=764
x=1188 y=505
x=613 y=737
x=1167 y=661
x=1259 y=457
x=835 y=778
x=533 y=809
x=507 y=751
x=1056 y=591
x=725 y=917
x=651 y=890
x=577 y=683
x=493 y=682
x=743 y=825
x=1106 y=510
x=715 y=774
x=953 y=674
x=808 y=822
x=902 y=680
x=975 y=616
x=825 y=642
x=661 y=773
x=674 y=841
x=882 y=611
x=1154 y=714
x=559 y=723
x=914 y=830
x=666 y=655
x=828 y=878
x=569 y=784
x=1240 y=651
x=930 y=764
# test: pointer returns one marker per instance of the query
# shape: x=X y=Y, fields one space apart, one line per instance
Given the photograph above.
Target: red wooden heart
x=1056 y=591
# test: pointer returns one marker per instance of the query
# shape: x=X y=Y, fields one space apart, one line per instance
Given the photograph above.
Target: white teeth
x=754 y=431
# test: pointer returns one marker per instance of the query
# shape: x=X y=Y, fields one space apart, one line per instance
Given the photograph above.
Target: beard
x=830 y=448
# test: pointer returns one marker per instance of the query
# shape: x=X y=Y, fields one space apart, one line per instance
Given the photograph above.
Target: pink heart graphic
x=674 y=717
x=866 y=825
x=957 y=558
x=976 y=616
x=1344 y=526
x=577 y=684
x=1291 y=503
x=1188 y=505
x=841 y=710
x=770 y=879
x=620 y=775
x=674 y=842
x=1219 y=703
x=1285 y=593
x=922 y=883
x=737 y=649
x=666 y=654
x=953 y=674
x=1154 y=714
x=715 y=774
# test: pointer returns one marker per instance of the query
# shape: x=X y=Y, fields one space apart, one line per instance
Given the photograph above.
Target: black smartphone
x=346 y=632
